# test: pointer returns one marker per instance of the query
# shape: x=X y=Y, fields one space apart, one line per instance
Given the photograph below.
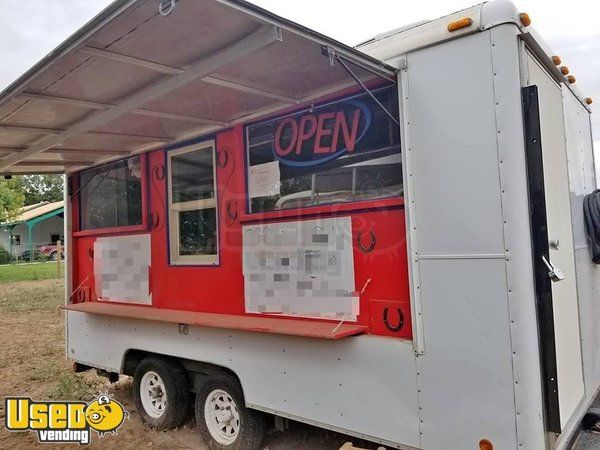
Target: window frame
x=359 y=204
x=173 y=209
x=143 y=226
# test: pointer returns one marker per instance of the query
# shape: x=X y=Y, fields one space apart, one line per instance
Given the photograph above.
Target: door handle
x=554 y=273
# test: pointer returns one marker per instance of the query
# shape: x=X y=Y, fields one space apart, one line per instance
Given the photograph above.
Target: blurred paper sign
x=265 y=180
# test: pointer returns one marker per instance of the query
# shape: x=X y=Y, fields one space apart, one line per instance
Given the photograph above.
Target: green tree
x=11 y=199
x=40 y=188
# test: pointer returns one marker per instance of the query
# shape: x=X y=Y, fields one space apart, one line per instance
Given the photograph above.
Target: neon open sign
x=312 y=138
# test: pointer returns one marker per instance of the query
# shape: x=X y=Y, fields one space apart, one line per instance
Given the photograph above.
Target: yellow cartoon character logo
x=105 y=415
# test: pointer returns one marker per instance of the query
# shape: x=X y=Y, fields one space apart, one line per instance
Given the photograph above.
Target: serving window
x=339 y=152
x=111 y=196
x=193 y=227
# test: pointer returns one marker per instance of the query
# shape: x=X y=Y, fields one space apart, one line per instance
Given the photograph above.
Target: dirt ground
x=32 y=363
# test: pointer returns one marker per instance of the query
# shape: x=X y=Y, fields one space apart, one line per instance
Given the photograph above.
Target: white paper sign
x=265 y=180
x=301 y=268
x=121 y=268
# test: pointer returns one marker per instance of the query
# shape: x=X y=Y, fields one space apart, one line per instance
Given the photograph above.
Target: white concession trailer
x=500 y=346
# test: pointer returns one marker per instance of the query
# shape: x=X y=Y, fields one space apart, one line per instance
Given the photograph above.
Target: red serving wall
x=381 y=274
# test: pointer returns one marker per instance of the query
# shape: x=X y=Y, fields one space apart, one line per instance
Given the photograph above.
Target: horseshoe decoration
x=82 y=295
x=371 y=246
x=159 y=172
x=393 y=329
x=223 y=157
x=232 y=212
x=155 y=218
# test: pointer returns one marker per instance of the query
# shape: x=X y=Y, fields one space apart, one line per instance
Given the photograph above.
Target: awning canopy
x=136 y=79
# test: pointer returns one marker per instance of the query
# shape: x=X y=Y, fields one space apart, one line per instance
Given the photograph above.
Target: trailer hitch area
x=79 y=368
x=113 y=377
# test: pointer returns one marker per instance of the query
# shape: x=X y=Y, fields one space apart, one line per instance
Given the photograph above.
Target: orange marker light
x=556 y=60
x=564 y=70
x=484 y=444
x=525 y=19
x=588 y=101
x=458 y=24
x=571 y=79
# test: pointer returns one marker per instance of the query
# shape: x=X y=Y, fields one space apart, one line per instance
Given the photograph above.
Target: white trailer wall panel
x=364 y=385
x=505 y=51
x=582 y=181
x=465 y=376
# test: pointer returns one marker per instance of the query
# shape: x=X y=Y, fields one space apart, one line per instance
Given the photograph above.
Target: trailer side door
x=552 y=238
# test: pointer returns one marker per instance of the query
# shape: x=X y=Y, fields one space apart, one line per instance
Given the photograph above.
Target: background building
x=38 y=227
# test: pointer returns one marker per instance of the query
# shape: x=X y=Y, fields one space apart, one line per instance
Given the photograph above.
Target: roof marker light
x=458 y=24
x=588 y=101
x=484 y=444
x=564 y=70
x=571 y=79
x=556 y=60
x=525 y=19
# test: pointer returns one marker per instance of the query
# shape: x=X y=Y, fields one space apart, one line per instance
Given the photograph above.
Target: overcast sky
x=29 y=29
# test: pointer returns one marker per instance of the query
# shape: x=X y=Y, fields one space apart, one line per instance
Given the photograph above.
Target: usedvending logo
x=64 y=422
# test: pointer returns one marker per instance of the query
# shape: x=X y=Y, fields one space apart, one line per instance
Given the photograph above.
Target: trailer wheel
x=161 y=393
x=223 y=419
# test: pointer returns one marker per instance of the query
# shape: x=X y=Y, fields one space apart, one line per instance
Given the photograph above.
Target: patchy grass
x=29 y=272
x=31 y=296
x=33 y=364
x=71 y=386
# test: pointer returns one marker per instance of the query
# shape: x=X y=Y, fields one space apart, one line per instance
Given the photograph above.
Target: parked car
x=44 y=252
x=52 y=252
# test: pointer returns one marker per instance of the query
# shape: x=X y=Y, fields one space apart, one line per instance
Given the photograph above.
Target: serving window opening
x=343 y=151
x=193 y=222
x=111 y=196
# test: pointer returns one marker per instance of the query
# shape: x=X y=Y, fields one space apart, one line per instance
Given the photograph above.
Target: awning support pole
x=10 y=229
x=30 y=240
x=365 y=88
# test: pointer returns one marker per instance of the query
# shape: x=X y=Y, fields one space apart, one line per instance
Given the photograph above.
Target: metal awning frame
x=265 y=36
x=175 y=77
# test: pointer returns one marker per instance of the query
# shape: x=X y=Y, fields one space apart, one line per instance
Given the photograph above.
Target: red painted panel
x=218 y=289
x=83 y=269
x=380 y=266
x=274 y=325
x=379 y=249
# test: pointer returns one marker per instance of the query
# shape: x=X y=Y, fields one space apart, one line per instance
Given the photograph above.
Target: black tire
x=251 y=423
x=174 y=378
